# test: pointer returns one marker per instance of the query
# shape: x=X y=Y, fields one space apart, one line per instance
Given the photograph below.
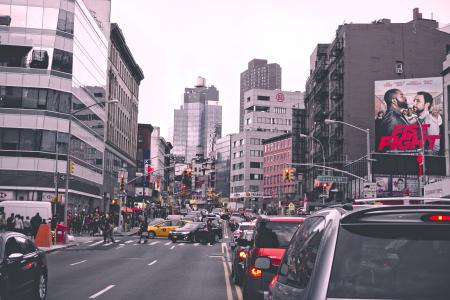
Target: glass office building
x=53 y=62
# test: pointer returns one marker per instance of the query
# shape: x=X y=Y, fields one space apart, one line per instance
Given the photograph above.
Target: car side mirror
x=14 y=257
x=263 y=263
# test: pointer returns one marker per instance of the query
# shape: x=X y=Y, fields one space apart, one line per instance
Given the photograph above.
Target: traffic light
x=189 y=171
x=71 y=166
x=420 y=163
x=286 y=174
x=115 y=201
x=122 y=183
x=291 y=174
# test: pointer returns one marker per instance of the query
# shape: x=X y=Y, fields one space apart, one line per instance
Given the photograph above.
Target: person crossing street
x=108 y=229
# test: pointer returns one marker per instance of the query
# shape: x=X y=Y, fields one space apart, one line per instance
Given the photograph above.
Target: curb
x=60 y=248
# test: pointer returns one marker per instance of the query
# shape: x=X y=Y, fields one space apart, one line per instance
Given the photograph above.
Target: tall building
x=259 y=75
x=124 y=78
x=198 y=122
x=268 y=113
x=223 y=165
x=53 y=63
x=342 y=77
x=142 y=155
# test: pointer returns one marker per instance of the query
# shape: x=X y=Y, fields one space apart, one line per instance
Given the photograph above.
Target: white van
x=27 y=208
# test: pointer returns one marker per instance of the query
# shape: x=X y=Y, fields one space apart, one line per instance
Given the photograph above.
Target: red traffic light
x=150 y=169
x=420 y=159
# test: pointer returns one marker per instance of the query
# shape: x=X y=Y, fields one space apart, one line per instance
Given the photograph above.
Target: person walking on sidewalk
x=18 y=224
x=10 y=223
x=143 y=230
x=27 y=226
x=35 y=223
x=108 y=229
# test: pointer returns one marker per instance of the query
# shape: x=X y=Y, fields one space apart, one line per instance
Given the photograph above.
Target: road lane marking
x=127 y=242
x=95 y=244
x=102 y=291
x=87 y=242
x=238 y=292
x=107 y=244
x=153 y=262
x=122 y=245
x=116 y=241
x=196 y=244
x=154 y=243
x=227 y=280
x=80 y=262
x=172 y=247
x=181 y=244
x=168 y=243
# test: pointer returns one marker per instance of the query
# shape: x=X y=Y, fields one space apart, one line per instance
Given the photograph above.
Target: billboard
x=409 y=113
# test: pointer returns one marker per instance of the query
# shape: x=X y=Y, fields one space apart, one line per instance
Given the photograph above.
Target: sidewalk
x=78 y=240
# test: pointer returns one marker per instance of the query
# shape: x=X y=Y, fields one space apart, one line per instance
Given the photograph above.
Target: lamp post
x=321 y=147
x=69 y=143
x=367 y=132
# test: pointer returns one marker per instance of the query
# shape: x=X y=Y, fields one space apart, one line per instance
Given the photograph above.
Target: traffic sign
x=370 y=190
x=291 y=206
x=336 y=179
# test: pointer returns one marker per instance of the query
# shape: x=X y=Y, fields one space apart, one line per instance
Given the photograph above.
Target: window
x=299 y=260
x=256 y=153
x=27 y=140
x=256 y=176
x=62 y=61
x=263 y=98
x=11 y=97
x=65 y=21
x=255 y=165
x=10 y=140
x=254 y=141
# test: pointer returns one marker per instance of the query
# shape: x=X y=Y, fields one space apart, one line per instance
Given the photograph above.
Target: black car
x=23 y=268
x=240 y=251
x=188 y=233
x=376 y=252
x=217 y=232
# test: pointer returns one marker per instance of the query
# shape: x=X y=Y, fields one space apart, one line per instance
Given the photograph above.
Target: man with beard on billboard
x=395 y=104
x=423 y=103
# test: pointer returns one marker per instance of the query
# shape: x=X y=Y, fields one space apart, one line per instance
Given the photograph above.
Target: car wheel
x=151 y=235
x=40 y=292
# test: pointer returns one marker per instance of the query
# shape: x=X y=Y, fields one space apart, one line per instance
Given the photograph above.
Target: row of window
x=278 y=168
x=276 y=121
x=278 y=157
x=240 y=189
x=280 y=190
x=285 y=144
x=124 y=73
x=256 y=153
x=280 y=110
x=238 y=143
x=46 y=141
x=240 y=177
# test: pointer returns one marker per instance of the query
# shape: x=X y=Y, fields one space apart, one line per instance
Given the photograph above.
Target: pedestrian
x=35 y=223
x=10 y=223
x=143 y=230
x=18 y=224
x=107 y=230
x=209 y=227
x=2 y=221
x=27 y=226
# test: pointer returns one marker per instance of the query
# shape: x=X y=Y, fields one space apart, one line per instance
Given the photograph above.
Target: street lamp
x=69 y=143
x=367 y=132
x=321 y=147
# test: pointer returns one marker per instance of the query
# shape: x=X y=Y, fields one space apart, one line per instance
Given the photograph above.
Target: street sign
x=291 y=206
x=370 y=190
x=336 y=179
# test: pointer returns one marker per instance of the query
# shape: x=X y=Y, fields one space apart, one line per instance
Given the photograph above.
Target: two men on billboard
x=402 y=125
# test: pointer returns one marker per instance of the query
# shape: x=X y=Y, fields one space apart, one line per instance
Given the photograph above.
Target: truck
x=27 y=208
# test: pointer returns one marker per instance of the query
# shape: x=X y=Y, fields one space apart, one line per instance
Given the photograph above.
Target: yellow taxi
x=162 y=228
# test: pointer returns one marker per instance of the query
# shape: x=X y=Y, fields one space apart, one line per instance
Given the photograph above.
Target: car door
x=164 y=228
x=299 y=261
x=16 y=281
x=31 y=258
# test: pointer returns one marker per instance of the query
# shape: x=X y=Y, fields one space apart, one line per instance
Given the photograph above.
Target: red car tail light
x=439 y=218
x=255 y=272
x=242 y=255
x=275 y=279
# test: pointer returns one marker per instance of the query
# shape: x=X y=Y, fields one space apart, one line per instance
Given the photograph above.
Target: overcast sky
x=174 y=41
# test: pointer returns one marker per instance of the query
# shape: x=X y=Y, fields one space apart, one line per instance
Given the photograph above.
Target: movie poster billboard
x=409 y=112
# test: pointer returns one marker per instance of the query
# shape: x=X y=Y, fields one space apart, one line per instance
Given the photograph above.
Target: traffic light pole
x=66 y=193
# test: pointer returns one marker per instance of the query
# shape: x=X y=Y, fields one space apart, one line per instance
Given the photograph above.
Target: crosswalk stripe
x=154 y=243
x=107 y=244
x=181 y=244
x=196 y=244
x=127 y=242
x=95 y=244
x=172 y=247
x=168 y=243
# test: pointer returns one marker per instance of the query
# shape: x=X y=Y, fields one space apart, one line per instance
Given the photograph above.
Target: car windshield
x=275 y=234
x=244 y=227
x=156 y=222
x=391 y=262
x=189 y=226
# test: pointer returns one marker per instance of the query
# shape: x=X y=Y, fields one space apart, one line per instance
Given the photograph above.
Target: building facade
x=223 y=165
x=144 y=140
x=259 y=75
x=53 y=63
x=268 y=113
x=124 y=78
x=340 y=89
x=198 y=122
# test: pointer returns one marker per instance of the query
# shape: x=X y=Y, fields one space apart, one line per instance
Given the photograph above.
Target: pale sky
x=174 y=41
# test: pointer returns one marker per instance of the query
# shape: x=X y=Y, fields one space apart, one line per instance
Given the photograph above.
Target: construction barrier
x=43 y=236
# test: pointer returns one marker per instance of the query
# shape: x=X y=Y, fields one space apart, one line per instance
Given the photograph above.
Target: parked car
x=271 y=238
x=360 y=252
x=23 y=268
x=240 y=252
x=187 y=233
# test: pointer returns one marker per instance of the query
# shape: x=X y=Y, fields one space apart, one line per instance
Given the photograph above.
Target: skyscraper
x=259 y=75
x=198 y=122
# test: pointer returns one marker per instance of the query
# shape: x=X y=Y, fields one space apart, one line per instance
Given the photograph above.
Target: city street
x=159 y=269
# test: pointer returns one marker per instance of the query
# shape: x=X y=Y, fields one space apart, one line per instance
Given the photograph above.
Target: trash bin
x=61 y=234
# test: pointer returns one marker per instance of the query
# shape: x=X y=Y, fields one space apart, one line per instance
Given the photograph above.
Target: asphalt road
x=159 y=269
